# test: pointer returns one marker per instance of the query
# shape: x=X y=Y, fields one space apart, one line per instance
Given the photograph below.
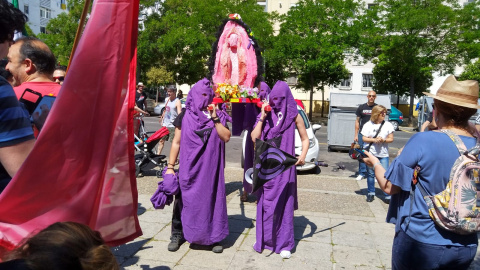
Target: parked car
x=313 y=148
x=395 y=117
x=150 y=103
x=160 y=108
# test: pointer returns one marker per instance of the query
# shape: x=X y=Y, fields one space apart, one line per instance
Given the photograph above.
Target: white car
x=313 y=148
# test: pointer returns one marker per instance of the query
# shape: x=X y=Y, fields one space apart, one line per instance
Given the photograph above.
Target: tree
x=314 y=37
x=159 y=76
x=180 y=35
x=413 y=39
x=61 y=31
x=392 y=73
x=471 y=72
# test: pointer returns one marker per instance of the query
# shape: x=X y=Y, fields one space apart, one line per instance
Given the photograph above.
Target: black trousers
x=177 y=228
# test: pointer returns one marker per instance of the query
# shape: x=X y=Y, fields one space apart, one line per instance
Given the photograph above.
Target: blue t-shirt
x=15 y=125
x=435 y=153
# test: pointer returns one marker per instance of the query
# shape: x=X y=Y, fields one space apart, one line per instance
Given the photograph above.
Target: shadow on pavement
x=231 y=187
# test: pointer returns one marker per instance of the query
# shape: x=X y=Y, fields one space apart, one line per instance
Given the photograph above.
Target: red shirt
x=44 y=88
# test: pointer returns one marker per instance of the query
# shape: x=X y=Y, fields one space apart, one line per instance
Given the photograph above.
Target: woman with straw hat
x=418 y=242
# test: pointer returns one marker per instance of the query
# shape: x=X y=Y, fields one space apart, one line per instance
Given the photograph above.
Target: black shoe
x=217 y=248
x=387 y=200
x=175 y=242
x=370 y=198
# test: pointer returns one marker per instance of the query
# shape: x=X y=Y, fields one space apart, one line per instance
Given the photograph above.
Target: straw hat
x=461 y=93
x=140 y=84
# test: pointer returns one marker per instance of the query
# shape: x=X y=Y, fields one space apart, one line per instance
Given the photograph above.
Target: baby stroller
x=147 y=159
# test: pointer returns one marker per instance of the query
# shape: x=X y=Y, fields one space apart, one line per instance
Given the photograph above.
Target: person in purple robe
x=200 y=141
x=277 y=199
x=250 y=116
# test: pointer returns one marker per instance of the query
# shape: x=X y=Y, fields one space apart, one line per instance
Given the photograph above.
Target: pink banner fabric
x=81 y=168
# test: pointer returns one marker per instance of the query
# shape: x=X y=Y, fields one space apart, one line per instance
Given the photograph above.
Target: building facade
x=39 y=12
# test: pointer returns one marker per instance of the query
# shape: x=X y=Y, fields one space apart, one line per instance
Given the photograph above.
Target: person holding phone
x=377 y=134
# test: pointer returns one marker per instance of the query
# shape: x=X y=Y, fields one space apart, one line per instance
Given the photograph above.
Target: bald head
x=372 y=95
x=38 y=52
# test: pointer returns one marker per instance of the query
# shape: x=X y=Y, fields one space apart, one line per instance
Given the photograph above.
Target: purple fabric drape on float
x=201 y=171
x=250 y=116
x=277 y=199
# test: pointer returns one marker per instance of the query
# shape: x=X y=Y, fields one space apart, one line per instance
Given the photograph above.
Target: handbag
x=354 y=154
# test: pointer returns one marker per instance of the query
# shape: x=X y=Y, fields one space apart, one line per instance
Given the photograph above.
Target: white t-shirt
x=370 y=129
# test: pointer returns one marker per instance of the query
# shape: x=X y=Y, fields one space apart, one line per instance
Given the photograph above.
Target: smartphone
x=30 y=99
x=360 y=152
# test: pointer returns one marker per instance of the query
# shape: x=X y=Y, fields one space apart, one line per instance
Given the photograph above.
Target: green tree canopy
x=409 y=40
x=159 y=76
x=471 y=72
x=180 y=35
x=313 y=40
x=61 y=31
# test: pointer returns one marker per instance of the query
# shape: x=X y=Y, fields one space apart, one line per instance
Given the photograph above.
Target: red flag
x=81 y=168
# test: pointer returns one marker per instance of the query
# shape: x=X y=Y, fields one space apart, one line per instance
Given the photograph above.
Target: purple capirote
x=250 y=116
x=277 y=199
x=201 y=172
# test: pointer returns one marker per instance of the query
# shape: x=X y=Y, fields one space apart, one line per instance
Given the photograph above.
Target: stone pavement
x=335 y=228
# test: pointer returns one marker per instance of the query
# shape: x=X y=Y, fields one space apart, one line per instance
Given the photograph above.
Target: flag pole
x=79 y=30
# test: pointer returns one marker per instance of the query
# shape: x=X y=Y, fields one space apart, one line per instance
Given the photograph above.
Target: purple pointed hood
x=284 y=110
x=263 y=90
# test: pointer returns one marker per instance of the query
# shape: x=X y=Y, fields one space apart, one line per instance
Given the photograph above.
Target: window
x=371 y=6
x=25 y=9
x=367 y=80
x=346 y=83
x=292 y=80
x=263 y=4
x=43 y=30
x=45 y=13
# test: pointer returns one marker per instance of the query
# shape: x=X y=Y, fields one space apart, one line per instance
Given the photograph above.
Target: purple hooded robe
x=250 y=115
x=277 y=199
x=201 y=173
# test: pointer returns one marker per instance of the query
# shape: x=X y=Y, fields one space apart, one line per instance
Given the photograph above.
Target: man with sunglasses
x=16 y=135
x=59 y=74
x=363 y=113
x=32 y=63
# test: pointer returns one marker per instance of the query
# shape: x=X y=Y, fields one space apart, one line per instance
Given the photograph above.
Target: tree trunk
x=412 y=95
x=398 y=100
x=310 y=113
x=323 y=98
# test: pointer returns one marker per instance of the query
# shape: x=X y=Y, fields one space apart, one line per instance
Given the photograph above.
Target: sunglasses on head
x=60 y=78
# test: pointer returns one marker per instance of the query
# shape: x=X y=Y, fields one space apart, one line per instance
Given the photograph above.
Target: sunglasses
x=383 y=113
x=372 y=95
x=60 y=78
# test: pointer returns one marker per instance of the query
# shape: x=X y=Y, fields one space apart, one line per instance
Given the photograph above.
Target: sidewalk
x=335 y=228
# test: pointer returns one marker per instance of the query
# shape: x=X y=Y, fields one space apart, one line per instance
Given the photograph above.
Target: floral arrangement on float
x=225 y=91
x=249 y=92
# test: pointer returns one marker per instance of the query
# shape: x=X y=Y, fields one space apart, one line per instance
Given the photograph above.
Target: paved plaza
x=335 y=228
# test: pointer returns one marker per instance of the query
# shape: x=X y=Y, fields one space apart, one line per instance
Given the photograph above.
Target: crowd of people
x=198 y=134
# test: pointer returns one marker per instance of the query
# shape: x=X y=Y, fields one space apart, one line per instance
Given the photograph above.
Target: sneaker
x=285 y=254
x=359 y=177
x=175 y=242
x=387 y=199
x=217 y=248
x=370 y=198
